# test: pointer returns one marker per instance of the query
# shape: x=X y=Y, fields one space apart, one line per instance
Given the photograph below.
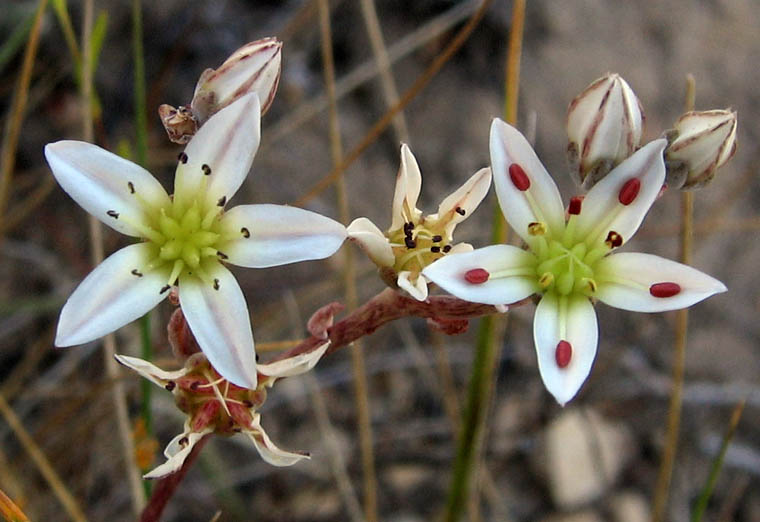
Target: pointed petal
x=268 y=451
x=540 y=202
x=625 y=281
x=509 y=274
x=574 y=322
x=417 y=288
x=461 y=203
x=372 y=241
x=273 y=235
x=111 y=296
x=460 y=248
x=602 y=210
x=408 y=185
x=150 y=371
x=220 y=155
x=106 y=185
x=294 y=365
x=220 y=323
x=176 y=452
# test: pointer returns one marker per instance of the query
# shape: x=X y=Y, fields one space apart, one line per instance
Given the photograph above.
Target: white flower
x=414 y=240
x=604 y=125
x=568 y=261
x=214 y=405
x=187 y=238
x=701 y=142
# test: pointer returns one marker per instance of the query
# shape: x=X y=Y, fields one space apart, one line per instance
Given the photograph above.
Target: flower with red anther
x=571 y=259
x=415 y=240
x=187 y=239
x=215 y=405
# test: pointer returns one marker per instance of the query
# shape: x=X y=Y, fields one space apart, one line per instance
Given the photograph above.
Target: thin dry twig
x=361 y=386
x=454 y=45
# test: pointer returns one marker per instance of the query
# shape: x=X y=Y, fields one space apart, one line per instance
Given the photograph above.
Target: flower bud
x=255 y=67
x=604 y=125
x=698 y=145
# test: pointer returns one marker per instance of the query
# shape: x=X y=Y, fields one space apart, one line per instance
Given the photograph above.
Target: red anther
x=563 y=353
x=614 y=239
x=575 y=205
x=476 y=276
x=629 y=191
x=519 y=177
x=665 y=289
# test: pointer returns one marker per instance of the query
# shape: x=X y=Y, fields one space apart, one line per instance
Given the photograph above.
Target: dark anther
x=247 y=403
x=435 y=249
x=460 y=211
x=257 y=357
x=184 y=441
x=164 y=289
x=136 y=272
x=182 y=157
x=216 y=284
x=408 y=227
x=170 y=385
x=113 y=214
x=194 y=386
x=446 y=249
x=206 y=169
x=246 y=233
x=437 y=239
x=222 y=201
x=409 y=242
x=131 y=187
x=221 y=254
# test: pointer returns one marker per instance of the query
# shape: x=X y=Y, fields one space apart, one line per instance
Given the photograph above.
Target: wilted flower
x=700 y=144
x=187 y=238
x=604 y=126
x=254 y=68
x=568 y=261
x=415 y=240
x=215 y=405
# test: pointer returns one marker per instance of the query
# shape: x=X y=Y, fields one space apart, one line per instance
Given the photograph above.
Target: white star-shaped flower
x=186 y=239
x=569 y=262
x=415 y=240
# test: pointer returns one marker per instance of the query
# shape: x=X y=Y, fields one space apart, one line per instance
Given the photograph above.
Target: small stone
x=629 y=506
x=584 y=455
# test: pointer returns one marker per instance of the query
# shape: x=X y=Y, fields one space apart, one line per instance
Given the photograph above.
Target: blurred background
x=596 y=459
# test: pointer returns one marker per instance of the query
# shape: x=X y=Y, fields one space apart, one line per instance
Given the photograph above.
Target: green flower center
x=416 y=245
x=566 y=269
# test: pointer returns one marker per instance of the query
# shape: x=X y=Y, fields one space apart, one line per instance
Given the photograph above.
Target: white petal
x=602 y=211
x=460 y=248
x=511 y=274
x=624 y=281
x=268 y=451
x=372 y=241
x=417 y=288
x=104 y=183
x=176 y=453
x=225 y=145
x=575 y=323
x=111 y=296
x=294 y=365
x=408 y=185
x=541 y=201
x=220 y=323
x=150 y=371
x=278 y=235
x=461 y=203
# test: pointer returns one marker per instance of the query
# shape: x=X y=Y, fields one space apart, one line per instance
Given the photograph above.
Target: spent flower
x=215 y=405
x=700 y=143
x=604 y=125
x=570 y=262
x=414 y=240
x=186 y=239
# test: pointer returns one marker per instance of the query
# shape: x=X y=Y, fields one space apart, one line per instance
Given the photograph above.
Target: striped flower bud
x=604 y=126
